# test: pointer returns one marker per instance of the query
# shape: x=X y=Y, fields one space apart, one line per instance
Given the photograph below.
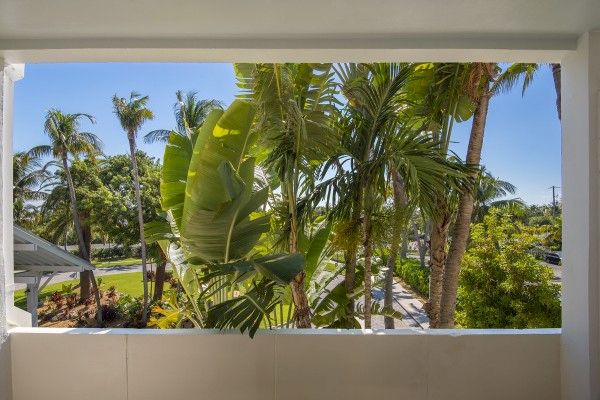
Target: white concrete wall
x=580 y=352
x=326 y=364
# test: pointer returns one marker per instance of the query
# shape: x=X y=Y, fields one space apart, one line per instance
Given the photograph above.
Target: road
x=98 y=272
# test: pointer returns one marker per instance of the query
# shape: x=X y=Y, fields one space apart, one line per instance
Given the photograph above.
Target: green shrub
x=112 y=253
x=415 y=276
x=502 y=285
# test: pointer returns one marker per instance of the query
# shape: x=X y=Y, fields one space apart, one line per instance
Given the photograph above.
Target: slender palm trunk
x=85 y=277
x=368 y=255
x=460 y=235
x=557 y=87
x=160 y=280
x=85 y=291
x=350 y=257
x=421 y=245
x=301 y=307
x=400 y=204
x=138 y=200
x=437 y=260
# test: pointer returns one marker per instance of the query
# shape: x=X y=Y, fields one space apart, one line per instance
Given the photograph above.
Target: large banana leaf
x=215 y=209
x=176 y=162
x=217 y=223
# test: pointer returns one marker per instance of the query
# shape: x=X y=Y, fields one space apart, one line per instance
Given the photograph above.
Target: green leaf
x=315 y=249
x=279 y=267
x=247 y=311
x=176 y=161
x=156 y=230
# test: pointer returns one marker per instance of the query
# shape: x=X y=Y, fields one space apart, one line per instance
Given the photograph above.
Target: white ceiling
x=42 y=19
x=298 y=24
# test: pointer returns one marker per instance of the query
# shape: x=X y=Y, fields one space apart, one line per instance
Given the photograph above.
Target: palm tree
x=382 y=144
x=132 y=114
x=370 y=115
x=438 y=92
x=190 y=114
x=490 y=192
x=294 y=104
x=67 y=139
x=485 y=80
x=29 y=178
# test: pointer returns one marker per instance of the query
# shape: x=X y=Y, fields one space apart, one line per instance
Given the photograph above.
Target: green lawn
x=114 y=263
x=127 y=283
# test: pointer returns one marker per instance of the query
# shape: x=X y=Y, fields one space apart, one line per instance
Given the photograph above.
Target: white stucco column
x=8 y=315
x=580 y=341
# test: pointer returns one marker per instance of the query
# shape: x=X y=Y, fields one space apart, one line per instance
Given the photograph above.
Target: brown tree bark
x=421 y=245
x=460 y=234
x=159 y=281
x=400 y=204
x=437 y=261
x=138 y=200
x=85 y=277
x=557 y=86
x=350 y=256
x=302 y=309
x=368 y=254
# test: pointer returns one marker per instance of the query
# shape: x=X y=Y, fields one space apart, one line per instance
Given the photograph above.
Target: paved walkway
x=407 y=303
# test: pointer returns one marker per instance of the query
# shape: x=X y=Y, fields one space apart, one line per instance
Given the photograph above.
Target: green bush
x=112 y=253
x=502 y=285
x=417 y=277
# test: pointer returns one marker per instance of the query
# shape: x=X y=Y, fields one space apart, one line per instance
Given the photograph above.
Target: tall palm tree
x=294 y=106
x=67 y=139
x=438 y=92
x=374 y=94
x=132 y=114
x=485 y=81
x=190 y=114
x=382 y=144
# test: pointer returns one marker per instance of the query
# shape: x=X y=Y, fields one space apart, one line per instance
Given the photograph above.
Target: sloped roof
x=43 y=256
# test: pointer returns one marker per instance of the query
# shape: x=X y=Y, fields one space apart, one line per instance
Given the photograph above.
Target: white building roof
x=34 y=254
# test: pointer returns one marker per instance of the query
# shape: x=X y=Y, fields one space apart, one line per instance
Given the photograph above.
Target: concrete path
x=407 y=303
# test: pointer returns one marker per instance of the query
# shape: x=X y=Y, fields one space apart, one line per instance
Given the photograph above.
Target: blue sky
x=522 y=142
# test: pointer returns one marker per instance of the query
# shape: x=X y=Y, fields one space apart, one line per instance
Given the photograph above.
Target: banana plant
x=215 y=210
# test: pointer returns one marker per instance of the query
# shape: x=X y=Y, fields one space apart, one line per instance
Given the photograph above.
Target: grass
x=127 y=283
x=120 y=262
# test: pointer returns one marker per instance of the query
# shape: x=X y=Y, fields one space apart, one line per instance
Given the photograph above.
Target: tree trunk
x=400 y=204
x=460 y=234
x=368 y=254
x=84 y=278
x=557 y=86
x=138 y=200
x=160 y=279
x=437 y=260
x=302 y=309
x=350 y=258
x=421 y=246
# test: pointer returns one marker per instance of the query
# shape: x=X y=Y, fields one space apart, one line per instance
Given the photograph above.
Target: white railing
x=413 y=364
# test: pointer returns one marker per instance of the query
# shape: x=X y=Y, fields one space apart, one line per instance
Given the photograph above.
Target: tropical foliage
x=296 y=203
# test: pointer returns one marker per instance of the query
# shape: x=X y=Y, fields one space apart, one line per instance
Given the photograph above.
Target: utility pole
x=554 y=199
